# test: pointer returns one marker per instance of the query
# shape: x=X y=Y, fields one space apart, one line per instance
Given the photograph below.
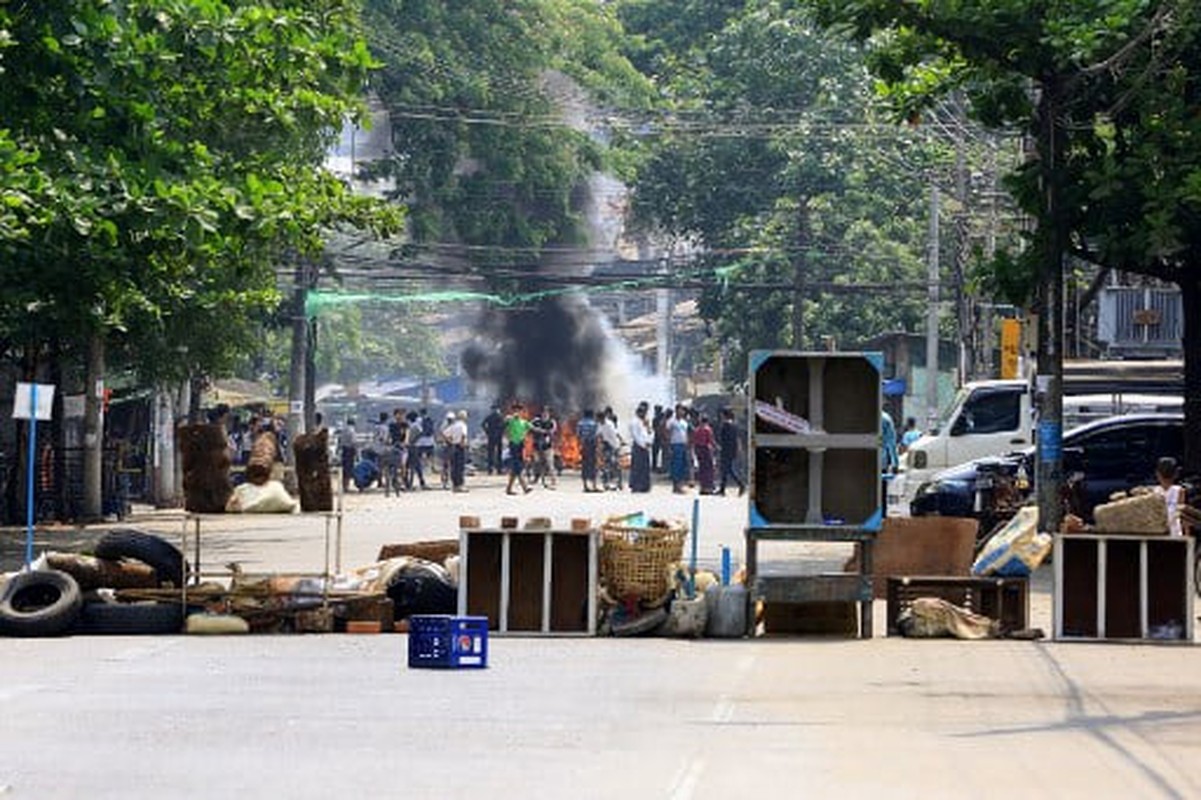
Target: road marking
x=686 y=782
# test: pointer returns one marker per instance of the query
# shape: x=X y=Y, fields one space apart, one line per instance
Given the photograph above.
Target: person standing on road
x=677 y=427
x=456 y=442
x=911 y=435
x=516 y=429
x=588 y=432
x=544 y=428
x=349 y=447
x=494 y=433
x=414 y=446
x=641 y=440
x=727 y=443
x=703 y=444
x=889 y=459
x=610 y=450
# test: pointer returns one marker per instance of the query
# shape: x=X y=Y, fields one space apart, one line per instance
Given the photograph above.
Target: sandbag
x=1145 y=513
x=726 y=618
x=270 y=498
x=933 y=617
x=1017 y=549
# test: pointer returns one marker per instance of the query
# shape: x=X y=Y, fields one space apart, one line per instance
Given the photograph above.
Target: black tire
x=422 y=589
x=129 y=619
x=644 y=625
x=39 y=603
x=159 y=554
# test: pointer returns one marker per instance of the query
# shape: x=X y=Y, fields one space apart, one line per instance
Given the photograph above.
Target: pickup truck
x=992 y=418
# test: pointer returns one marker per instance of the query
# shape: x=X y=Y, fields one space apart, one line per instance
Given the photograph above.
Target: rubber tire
x=154 y=551
x=39 y=603
x=421 y=588
x=644 y=625
x=129 y=619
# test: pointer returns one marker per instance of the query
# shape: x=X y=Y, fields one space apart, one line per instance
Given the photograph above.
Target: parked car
x=1105 y=456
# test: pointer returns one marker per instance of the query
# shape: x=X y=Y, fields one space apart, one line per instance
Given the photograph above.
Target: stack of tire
x=206 y=484
x=53 y=602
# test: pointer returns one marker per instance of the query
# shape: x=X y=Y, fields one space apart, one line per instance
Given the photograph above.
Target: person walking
x=641 y=440
x=727 y=452
x=516 y=429
x=456 y=442
x=494 y=434
x=588 y=432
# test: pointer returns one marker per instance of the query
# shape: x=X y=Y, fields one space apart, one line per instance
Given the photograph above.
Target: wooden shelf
x=530 y=582
x=1123 y=587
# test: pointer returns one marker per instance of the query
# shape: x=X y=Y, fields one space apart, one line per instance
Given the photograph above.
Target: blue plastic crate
x=443 y=641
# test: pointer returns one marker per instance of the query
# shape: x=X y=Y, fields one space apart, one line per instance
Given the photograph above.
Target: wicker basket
x=1143 y=513
x=637 y=561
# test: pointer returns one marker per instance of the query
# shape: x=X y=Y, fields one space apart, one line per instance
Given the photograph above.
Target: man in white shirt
x=611 y=447
x=641 y=439
x=455 y=434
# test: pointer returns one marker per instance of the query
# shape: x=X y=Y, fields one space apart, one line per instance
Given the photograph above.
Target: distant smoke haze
x=559 y=350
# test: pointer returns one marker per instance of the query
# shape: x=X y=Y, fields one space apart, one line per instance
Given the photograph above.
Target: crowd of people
x=531 y=446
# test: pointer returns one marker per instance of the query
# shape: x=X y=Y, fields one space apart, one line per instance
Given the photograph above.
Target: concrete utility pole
x=1049 y=460
x=932 y=300
x=93 y=431
x=300 y=340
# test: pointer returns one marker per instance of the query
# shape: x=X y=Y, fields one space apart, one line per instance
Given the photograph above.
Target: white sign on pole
x=23 y=402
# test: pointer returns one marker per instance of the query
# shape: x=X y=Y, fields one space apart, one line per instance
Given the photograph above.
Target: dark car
x=1106 y=456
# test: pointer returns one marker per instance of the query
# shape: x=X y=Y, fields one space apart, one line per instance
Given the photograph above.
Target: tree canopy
x=166 y=154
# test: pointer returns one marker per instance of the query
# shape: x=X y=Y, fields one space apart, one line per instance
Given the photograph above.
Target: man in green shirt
x=516 y=428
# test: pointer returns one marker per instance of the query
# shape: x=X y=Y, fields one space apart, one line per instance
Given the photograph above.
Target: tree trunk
x=93 y=431
x=1190 y=294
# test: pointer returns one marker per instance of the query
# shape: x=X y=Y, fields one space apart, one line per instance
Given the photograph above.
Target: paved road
x=342 y=716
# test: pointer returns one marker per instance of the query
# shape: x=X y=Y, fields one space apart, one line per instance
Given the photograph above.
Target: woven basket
x=1142 y=513
x=637 y=561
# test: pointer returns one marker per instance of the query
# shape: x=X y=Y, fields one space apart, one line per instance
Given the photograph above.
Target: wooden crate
x=1006 y=600
x=530 y=581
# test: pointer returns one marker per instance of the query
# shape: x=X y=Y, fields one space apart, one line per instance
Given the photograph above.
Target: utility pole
x=300 y=340
x=932 y=300
x=1049 y=461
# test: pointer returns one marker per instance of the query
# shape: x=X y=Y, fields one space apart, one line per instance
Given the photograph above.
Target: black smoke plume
x=551 y=352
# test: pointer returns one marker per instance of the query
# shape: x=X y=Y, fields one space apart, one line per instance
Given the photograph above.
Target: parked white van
x=990 y=418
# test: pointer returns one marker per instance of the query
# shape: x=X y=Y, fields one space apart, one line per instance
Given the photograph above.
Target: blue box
x=442 y=641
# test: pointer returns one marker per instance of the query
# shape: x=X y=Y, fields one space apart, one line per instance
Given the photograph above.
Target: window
x=993 y=412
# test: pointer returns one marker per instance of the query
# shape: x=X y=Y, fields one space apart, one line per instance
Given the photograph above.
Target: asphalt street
x=343 y=716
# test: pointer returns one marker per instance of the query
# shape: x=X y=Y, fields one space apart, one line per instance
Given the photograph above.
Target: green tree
x=1103 y=88
x=773 y=160
x=491 y=107
x=174 y=152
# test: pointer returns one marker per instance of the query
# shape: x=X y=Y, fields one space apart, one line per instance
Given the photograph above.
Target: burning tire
x=158 y=553
x=39 y=603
